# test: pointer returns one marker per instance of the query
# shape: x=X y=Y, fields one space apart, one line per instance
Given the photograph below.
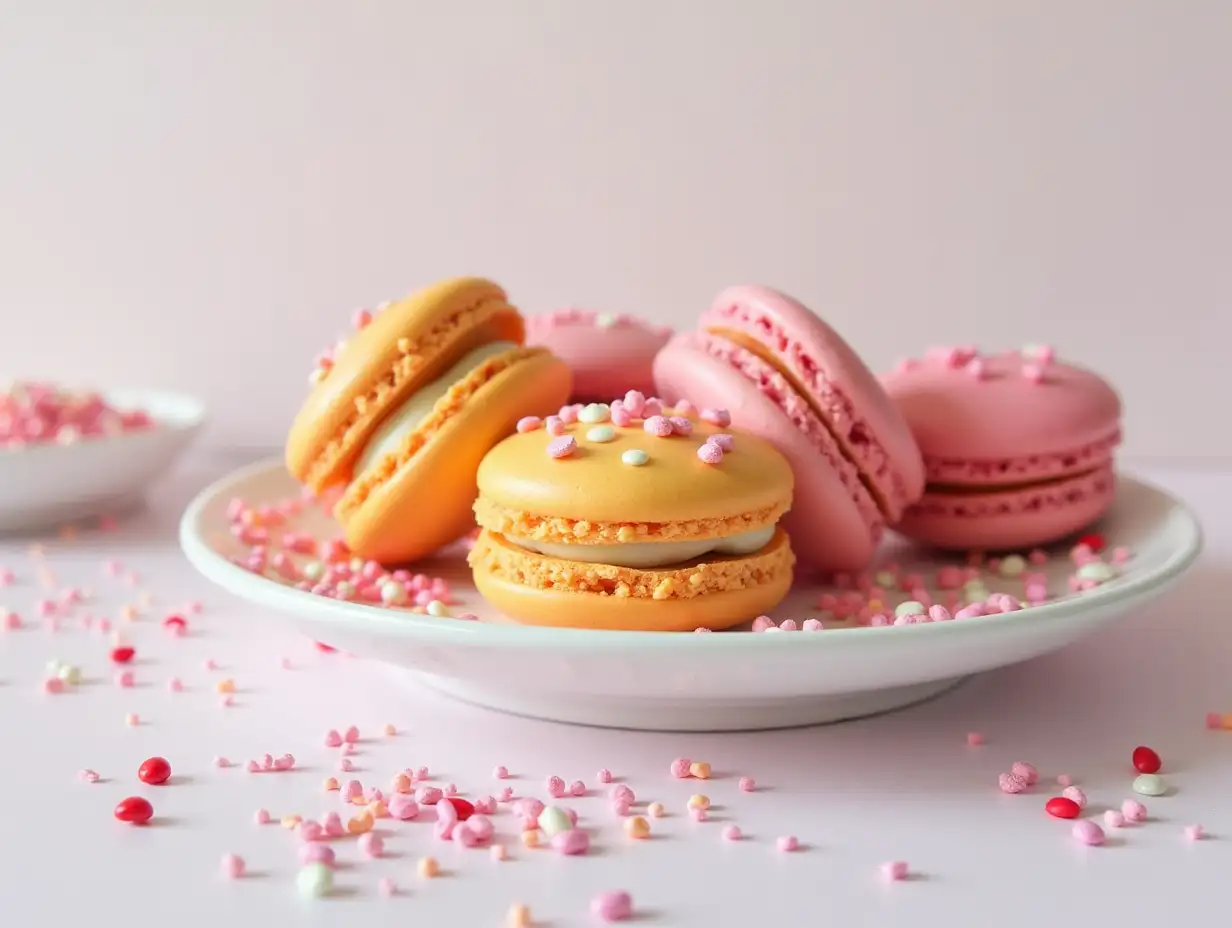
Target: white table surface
x=904 y=786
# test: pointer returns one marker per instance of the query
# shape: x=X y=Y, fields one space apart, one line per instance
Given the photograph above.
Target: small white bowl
x=48 y=484
x=686 y=682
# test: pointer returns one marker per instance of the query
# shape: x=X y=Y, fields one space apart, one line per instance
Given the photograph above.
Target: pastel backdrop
x=195 y=195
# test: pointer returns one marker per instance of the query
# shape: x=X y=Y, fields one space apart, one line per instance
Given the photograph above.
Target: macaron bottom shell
x=425 y=502
x=997 y=519
x=528 y=588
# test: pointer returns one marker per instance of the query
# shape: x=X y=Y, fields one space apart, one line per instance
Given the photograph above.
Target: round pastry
x=633 y=517
x=607 y=354
x=410 y=405
x=789 y=378
x=1017 y=447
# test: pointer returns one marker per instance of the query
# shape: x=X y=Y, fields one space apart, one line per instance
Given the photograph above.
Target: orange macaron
x=632 y=518
x=409 y=407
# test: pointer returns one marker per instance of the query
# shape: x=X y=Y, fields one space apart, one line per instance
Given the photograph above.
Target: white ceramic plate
x=687 y=682
x=44 y=485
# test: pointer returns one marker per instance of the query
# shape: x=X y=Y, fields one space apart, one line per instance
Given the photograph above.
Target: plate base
x=688 y=715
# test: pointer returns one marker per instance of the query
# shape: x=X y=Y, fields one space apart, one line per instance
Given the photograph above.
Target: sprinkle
x=658 y=426
x=530 y=838
x=87 y=776
x=351 y=735
x=1150 y=784
x=562 y=447
x=1146 y=760
x=554 y=820
x=732 y=833
x=723 y=441
x=498 y=852
x=787 y=843
x=577 y=788
x=1064 y=779
x=1026 y=771
x=700 y=769
x=612 y=906
x=518 y=916
x=500 y=772
x=601 y=434
x=131 y=719
x=637 y=827
x=719 y=417
x=555 y=425
x=232 y=866
x=1114 y=818
x=174 y=685
x=555 y=787
x=315 y=880
x=594 y=413
x=909 y=607
x=371 y=845
x=698 y=801
x=1087 y=832
x=1011 y=783
x=438 y=609
x=1214 y=721
x=1062 y=807
x=134 y=810
x=1194 y=832
x=573 y=841
x=175 y=625
x=974 y=738
x=604 y=776
x=1133 y=810
x=710 y=453
x=894 y=870
x=681 y=426
x=681 y=768
x=656 y=810
x=747 y=784
x=634 y=457
x=261 y=817
x=71 y=674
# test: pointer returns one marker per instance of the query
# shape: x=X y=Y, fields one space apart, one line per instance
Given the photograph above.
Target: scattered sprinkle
x=635 y=457
x=232 y=866
x=895 y=870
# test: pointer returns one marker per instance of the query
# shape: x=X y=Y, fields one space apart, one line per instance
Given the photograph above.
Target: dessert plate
x=689 y=682
x=48 y=484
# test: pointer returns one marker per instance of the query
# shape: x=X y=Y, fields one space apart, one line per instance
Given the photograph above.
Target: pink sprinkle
x=1194 y=832
x=12 y=621
x=318 y=853
x=939 y=613
x=812 y=625
x=685 y=408
x=562 y=447
x=1076 y=795
x=604 y=776
x=1011 y=783
x=529 y=423
x=500 y=772
x=787 y=843
x=345 y=765
x=505 y=795
x=311 y=831
x=386 y=886
x=620 y=416
x=894 y=870
x=680 y=768
x=681 y=426
x=974 y=738
x=174 y=685
x=371 y=844
x=125 y=678
x=577 y=788
x=621 y=807
x=1121 y=555
x=788 y=625
x=402 y=807
x=1033 y=373
x=622 y=793
x=1026 y=771
x=261 y=817
x=732 y=833
x=361 y=319
x=761 y=623
x=555 y=787
x=612 y=906
x=659 y=426
x=53 y=685
x=226 y=701
x=698 y=814
x=221 y=762
x=498 y=852
x=87 y=776
x=634 y=401
x=747 y=784
x=351 y=735
x=103 y=626
x=429 y=796
x=232 y=866
x=1064 y=779
x=1214 y=720
x=1133 y=810
x=554 y=425
x=719 y=417
x=569 y=414
x=331 y=822
x=1087 y=832
x=573 y=841
x=421 y=773
x=710 y=453
x=1114 y=818
x=976 y=369
x=209 y=664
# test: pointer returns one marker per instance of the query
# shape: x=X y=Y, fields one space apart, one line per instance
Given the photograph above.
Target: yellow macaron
x=632 y=517
x=408 y=408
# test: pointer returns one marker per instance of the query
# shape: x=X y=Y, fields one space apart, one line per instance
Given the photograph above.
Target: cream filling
x=648 y=554
x=418 y=406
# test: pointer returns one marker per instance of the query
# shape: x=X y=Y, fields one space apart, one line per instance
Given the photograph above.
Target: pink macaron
x=789 y=378
x=608 y=354
x=1017 y=447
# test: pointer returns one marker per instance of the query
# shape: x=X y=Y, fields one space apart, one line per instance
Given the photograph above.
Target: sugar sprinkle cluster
x=1036 y=360
x=42 y=413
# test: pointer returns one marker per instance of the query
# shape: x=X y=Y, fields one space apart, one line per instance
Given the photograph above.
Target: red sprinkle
x=123 y=655
x=135 y=810
x=464 y=807
x=154 y=770
x=175 y=624
x=322 y=646
x=1094 y=541
x=1061 y=807
x=1146 y=760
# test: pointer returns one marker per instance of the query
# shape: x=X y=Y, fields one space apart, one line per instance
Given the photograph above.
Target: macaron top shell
x=410 y=343
x=998 y=408
x=607 y=353
x=822 y=367
x=595 y=484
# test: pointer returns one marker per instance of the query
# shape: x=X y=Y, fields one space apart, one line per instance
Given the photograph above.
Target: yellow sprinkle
x=700 y=769
x=1226 y=721
x=291 y=821
x=530 y=838
x=331 y=783
x=128 y=613
x=377 y=809
x=358 y=800
x=518 y=916
x=225 y=686
x=655 y=810
x=361 y=823
x=438 y=609
x=428 y=867
x=637 y=827
x=131 y=719
x=698 y=801
x=401 y=783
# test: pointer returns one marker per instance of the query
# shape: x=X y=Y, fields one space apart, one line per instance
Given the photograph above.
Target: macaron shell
x=1011 y=519
x=426 y=503
x=1002 y=415
x=532 y=605
x=834 y=522
x=607 y=359
x=595 y=485
x=825 y=369
x=374 y=374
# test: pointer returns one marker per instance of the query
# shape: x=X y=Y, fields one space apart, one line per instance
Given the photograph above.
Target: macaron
x=790 y=379
x=1018 y=447
x=633 y=518
x=408 y=408
x=608 y=354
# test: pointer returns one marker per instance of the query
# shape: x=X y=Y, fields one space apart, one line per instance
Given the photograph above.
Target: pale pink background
x=195 y=194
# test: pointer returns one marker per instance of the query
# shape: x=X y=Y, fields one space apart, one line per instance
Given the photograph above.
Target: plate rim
x=219 y=570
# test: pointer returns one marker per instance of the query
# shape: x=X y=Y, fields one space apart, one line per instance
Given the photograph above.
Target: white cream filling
x=648 y=554
x=418 y=406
